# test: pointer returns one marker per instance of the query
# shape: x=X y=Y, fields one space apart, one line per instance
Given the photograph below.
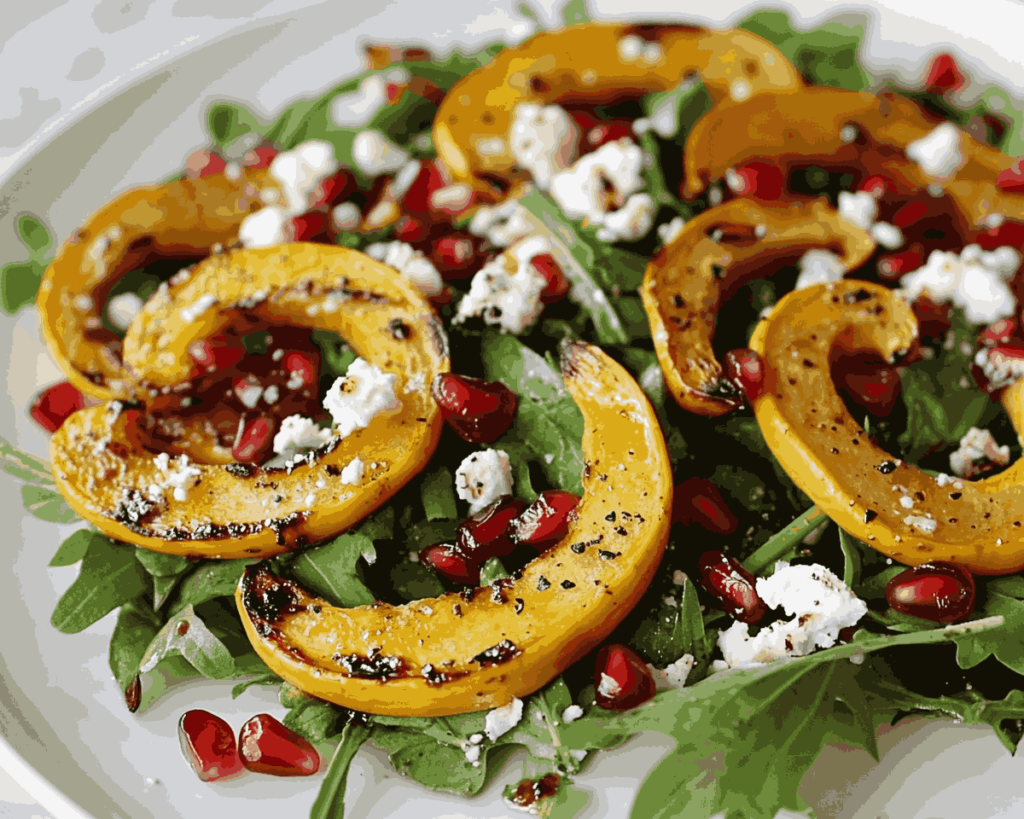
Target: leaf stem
x=785 y=541
x=330 y=801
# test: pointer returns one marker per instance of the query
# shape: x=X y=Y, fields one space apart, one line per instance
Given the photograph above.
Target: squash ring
x=470 y=652
x=237 y=510
x=686 y=282
x=893 y=507
x=581 y=64
x=807 y=128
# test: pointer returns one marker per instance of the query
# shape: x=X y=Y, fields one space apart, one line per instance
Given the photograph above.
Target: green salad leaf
x=19 y=281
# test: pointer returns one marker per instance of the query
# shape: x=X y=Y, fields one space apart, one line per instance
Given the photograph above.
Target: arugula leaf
x=47 y=504
x=333 y=571
x=208 y=581
x=330 y=801
x=669 y=632
x=576 y=11
x=73 y=549
x=492 y=570
x=414 y=581
x=24 y=467
x=19 y=281
x=547 y=431
x=437 y=765
x=137 y=625
x=33 y=234
x=226 y=122
x=437 y=492
x=109 y=578
x=161 y=565
x=335 y=354
x=316 y=720
x=1003 y=598
x=187 y=635
x=781 y=544
x=269 y=678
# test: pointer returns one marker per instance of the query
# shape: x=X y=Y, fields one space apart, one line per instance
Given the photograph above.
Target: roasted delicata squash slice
x=473 y=651
x=865 y=133
x=894 y=507
x=686 y=283
x=591 y=64
x=237 y=510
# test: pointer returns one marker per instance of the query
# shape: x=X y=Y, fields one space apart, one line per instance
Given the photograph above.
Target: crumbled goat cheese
x=300 y=172
x=924 y=525
x=122 y=309
x=506 y=291
x=571 y=714
x=608 y=687
x=674 y=675
x=632 y=48
x=888 y=236
x=360 y=396
x=356 y=108
x=482 y=478
x=938 y=154
x=411 y=263
x=819 y=603
x=630 y=222
x=669 y=231
x=859 y=208
x=298 y=435
x=265 y=228
x=978 y=453
x=1000 y=369
x=972 y=281
x=374 y=154
x=346 y=216
x=197 y=308
x=271 y=394
x=181 y=480
x=543 y=140
x=472 y=752
x=819 y=267
x=501 y=224
x=352 y=474
x=502 y=720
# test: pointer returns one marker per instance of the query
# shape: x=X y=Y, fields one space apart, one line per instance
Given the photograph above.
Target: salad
x=587 y=269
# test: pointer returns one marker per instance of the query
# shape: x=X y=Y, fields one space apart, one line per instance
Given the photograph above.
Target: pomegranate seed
x=697 y=500
x=546 y=520
x=622 y=679
x=133 y=694
x=51 y=408
x=933 y=320
x=447 y=562
x=254 y=445
x=248 y=390
x=605 y=132
x=479 y=411
x=757 y=179
x=203 y=163
x=334 y=188
x=300 y=366
x=1012 y=179
x=212 y=355
x=409 y=229
x=583 y=119
x=308 y=226
x=1007 y=234
x=208 y=743
x=870 y=382
x=267 y=746
x=940 y=592
x=746 y=370
x=893 y=266
x=260 y=157
x=999 y=333
x=558 y=285
x=944 y=75
x=1005 y=359
x=733 y=586
x=909 y=214
x=486 y=534
x=417 y=198
x=394 y=92
x=877 y=186
x=453 y=253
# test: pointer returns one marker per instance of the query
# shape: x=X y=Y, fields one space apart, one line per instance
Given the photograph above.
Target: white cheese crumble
x=543 y=140
x=300 y=172
x=265 y=228
x=483 y=477
x=630 y=222
x=197 y=308
x=819 y=267
x=502 y=720
x=501 y=224
x=974 y=281
x=298 y=435
x=411 y=263
x=978 y=452
x=819 y=603
x=374 y=154
x=355 y=399
x=181 y=480
x=924 y=525
x=352 y=474
x=608 y=687
x=346 y=216
x=670 y=231
x=859 y=208
x=506 y=291
x=1000 y=369
x=938 y=154
x=122 y=309
x=571 y=714
x=356 y=108
x=674 y=675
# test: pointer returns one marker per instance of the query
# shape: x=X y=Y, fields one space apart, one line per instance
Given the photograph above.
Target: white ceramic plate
x=131 y=82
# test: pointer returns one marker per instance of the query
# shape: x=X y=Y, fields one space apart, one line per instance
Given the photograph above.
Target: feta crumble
x=501 y=224
x=923 y=524
x=608 y=687
x=973 y=281
x=482 y=478
x=1000 y=369
x=122 y=309
x=502 y=720
x=543 y=140
x=819 y=603
x=411 y=263
x=197 y=308
x=300 y=172
x=674 y=675
x=355 y=399
x=978 y=453
x=181 y=480
x=571 y=714
x=374 y=154
x=938 y=154
x=505 y=291
x=819 y=267
x=298 y=435
x=859 y=208
x=352 y=474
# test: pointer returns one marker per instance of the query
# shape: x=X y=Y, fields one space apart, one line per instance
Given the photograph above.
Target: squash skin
x=805 y=128
x=232 y=511
x=549 y=622
x=829 y=457
x=686 y=283
x=580 y=64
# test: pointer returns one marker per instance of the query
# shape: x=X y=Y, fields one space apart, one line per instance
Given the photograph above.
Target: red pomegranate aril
x=409 y=229
x=909 y=213
x=944 y=75
x=1008 y=234
x=300 y=366
x=746 y=370
x=452 y=253
x=203 y=163
x=758 y=179
x=267 y=746
x=212 y=355
x=52 y=407
x=871 y=383
x=622 y=680
x=260 y=157
x=479 y=411
x=546 y=520
x=487 y=533
x=334 y=188
x=417 y=198
x=733 y=586
x=1012 y=179
x=208 y=743
x=697 y=500
x=895 y=265
x=558 y=284
x=933 y=320
x=445 y=559
x=1001 y=332
x=940 y=592
x=255 y=444
x=308 y=226
x=605 y=132
x=877 y=186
